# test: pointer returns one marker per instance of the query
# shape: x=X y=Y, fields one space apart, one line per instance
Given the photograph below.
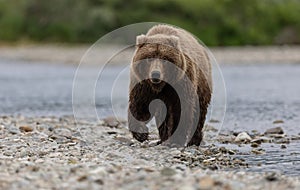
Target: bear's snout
x=155 y=77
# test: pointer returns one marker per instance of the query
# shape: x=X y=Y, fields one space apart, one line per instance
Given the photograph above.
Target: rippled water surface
x=256 y=96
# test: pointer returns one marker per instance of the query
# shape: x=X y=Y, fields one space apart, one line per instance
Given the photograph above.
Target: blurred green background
x=215 y=22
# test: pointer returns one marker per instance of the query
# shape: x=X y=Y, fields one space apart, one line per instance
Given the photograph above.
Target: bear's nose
x=155 y=77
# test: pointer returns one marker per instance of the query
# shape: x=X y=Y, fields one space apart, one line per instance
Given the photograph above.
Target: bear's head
x=158 y=59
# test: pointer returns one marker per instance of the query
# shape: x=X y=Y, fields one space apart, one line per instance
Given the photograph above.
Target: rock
x=63 y=132
x=265 y=139
x=167 y=171
x=278 y=122
x=282 y=141
x=187 y=187
x=277 y=136
x=283 y=146
x=271 y=177
x=111 y=122
x=9 y=153
x=214 y=121
x=82 y=178
x=226 y=139
x=72 y=161
x=254 y=145
x=148 y=169
x=210 y=128
x=223 y=149
x=257 y=141
x=112 y=132
x=99 y=181
x=258 y=151
x=275 y=130
x=13 y=130
x=209 y=161
x=26 y=128
x=23 y=153
x=243 y=137
x=175 y=152
x=231 y=152
x=206 y=183
x=295 y=138
x=124 y=140
x=100 y=171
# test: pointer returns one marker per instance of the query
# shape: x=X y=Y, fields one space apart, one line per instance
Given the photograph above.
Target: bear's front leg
x=137 y=124
x=169 y=132
x=198 y=134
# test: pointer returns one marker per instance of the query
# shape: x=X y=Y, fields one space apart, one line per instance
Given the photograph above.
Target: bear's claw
x=141 y=137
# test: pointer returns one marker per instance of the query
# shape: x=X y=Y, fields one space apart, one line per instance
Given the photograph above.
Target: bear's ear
x=140 y=40
x=174 y=41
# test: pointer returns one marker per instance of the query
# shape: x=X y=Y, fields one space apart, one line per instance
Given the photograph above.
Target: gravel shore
x=58 y=54
x=58 y=153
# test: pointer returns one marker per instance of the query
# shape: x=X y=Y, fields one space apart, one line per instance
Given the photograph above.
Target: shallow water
x=256 y=96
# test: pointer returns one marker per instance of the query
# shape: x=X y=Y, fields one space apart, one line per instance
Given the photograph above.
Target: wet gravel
x=58 y=153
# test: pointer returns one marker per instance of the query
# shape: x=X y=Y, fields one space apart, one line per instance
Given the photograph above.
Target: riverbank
x=55 y=53
x=56 y=153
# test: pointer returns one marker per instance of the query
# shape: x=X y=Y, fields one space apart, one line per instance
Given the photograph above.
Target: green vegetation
x=216 y=22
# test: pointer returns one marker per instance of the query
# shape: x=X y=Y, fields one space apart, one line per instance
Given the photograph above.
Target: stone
x=254 y=145
x=278 y=122
x=271 y=177
x=26 y=128
x=206 y=183
x=258 y=151
x=265 y=139
x=63 y=132
x=283 y=146
x=243 y=137
x=275 y=130
x=99 y=181
x=166 y=171
x=111 y=122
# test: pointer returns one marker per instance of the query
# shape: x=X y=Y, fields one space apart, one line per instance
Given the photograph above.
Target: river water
x=256 y=96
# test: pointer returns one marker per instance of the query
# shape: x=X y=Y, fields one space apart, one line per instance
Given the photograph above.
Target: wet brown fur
x=181 y=48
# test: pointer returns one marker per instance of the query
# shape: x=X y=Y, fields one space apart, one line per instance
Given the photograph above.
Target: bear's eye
x=145 y=60
x=169 y=59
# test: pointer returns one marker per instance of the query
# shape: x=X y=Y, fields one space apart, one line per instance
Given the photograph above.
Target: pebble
x=277 y=135
x=111 y=122
x=214 y=121
x=206 y=183
x=99 y=171
x=258 y=151
x=257 y=141
x=63 y=132
x=275 y=130
x=175 y=152
x=99 y=181
x=166 y=171
x=243 y=137
x=187 y=187
x=13 y=130
x=26 y=128
x=254 y=145
x=283 y=146
x=265 y=139
x=271 y=177
x=295 y=137
x=147 y=169
x=278 y=122
x=282 y=141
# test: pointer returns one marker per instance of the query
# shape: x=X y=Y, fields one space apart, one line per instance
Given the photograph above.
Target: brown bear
x=152 y=76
